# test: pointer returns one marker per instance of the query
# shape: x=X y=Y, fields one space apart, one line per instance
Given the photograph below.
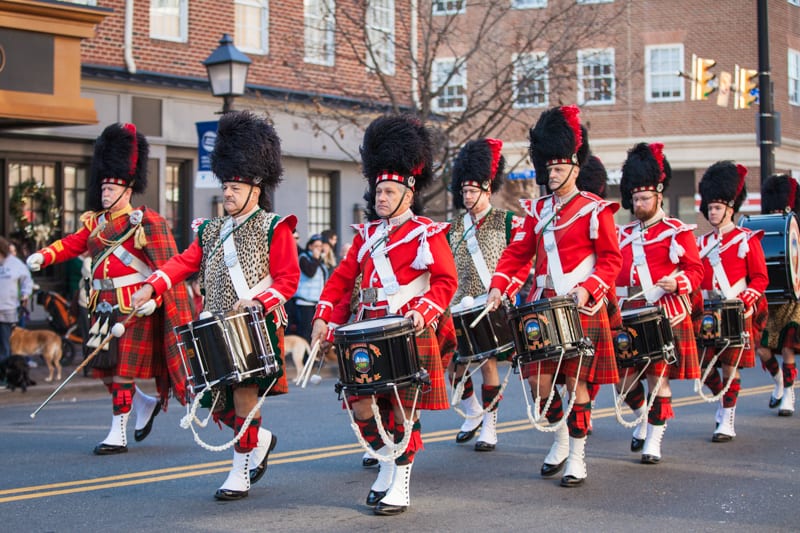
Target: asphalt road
x=51 y=481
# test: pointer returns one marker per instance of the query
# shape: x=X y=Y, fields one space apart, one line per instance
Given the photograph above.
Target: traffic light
x=703 y=80
x=746 y=87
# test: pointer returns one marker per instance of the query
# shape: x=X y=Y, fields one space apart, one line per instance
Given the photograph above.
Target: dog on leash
x=31 y=342
x=15 y=371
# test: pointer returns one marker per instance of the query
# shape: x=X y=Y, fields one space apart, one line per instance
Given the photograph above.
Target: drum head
x=640 y=312
x=793 y=256
x=469 y=303
x=374 y=325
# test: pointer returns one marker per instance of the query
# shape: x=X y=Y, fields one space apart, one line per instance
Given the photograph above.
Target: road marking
x=310 y=454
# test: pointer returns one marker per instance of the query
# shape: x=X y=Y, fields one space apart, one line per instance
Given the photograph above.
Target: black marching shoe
x=141 y=434
x=385 y=509
x=374 y=497
x=466 y=436
x=257 y=472
x=572 y=481
x=230 y=495
x=721 y=437
x=637 y=444
x=774 y=402
x=368 y=462
x=648 y=459
x=109 y=449
x=551 y=470
x=481 y=446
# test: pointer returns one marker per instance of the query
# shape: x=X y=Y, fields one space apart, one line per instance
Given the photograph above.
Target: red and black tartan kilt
x=688 y=363
x=600 y=368
x=748 y=355
x=782 y=328
x=431 y=358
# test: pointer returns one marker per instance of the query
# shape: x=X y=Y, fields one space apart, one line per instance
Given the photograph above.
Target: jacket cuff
x=429 y=310
x=749 y=297
x=684 y=285
x=324 y=310
x=270 y=299
x=159 y=281
x=596 y=287
x=500 y=281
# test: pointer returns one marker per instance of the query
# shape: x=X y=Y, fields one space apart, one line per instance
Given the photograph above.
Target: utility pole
x=766 y=111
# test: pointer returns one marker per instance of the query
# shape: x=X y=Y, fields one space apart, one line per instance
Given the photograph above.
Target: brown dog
x=30 y=342
x=297 y=348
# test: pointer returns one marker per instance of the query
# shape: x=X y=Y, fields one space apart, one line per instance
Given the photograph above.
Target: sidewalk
x=79 y=387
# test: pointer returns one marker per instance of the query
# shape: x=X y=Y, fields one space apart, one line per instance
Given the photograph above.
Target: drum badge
x=708 y=326
x=533 y=333
x=362 y=357
x=623 y=344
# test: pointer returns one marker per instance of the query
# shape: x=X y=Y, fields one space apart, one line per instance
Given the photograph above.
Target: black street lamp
x=227 y=71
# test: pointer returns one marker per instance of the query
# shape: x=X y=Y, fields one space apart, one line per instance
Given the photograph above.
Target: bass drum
x=781 y=243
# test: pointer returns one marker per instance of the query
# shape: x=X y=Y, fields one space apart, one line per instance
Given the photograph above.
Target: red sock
x=661 y=411
x=414 y=444
x=714 y=382
x=771 y=365
x=635 y=398
x=121 y=397
x=789 y=374
x=556 y=411
x=249 y=439
x=730 y=397
x=579 y=420
x=488 y=394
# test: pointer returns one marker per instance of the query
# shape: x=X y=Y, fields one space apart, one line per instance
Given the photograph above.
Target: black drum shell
x=645 y=333
x=722 y=323
x=491 y=336
x=781 y=244
x=545 y=326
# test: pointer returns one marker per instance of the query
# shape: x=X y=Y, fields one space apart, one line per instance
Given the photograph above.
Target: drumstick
x=486 y=311
x=118 y=330
x=302 y=380
x=645 y=291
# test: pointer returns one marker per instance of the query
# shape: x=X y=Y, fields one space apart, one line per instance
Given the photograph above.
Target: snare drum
x=377 y=355
x=645 y=336
x=547 y=328
x=226 y=348
x=490 y=336
x=781 y=243
x=722 y=324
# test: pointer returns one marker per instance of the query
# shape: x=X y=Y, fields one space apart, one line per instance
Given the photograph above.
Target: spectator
x=313 y=274
x=329 y=240
x=15 y=289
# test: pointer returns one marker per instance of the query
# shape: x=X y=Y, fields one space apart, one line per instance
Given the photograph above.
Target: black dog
x=16 y=373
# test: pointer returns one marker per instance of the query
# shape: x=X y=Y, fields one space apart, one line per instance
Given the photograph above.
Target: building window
x=449 y=80
x=528 y=4
x=169 y=20
x=794 y=77
x=595 y=1
x=380 y=36
x=320 y=199
x=177 y=204
x=596 y=76
x=449 y=7
x=75 y=183
x=530 y=80
x=320 y=24
x=662 y=64
x=19 y=172
x=252 y=26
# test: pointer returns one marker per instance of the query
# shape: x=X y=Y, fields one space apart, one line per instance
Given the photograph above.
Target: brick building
x=141 y=61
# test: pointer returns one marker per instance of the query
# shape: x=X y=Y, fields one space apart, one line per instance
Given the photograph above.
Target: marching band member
x=661 y=267
x=477 y=238
x=571 y=236
x=406 y=268
x=735 y=267
x=247 y=258
x=782 y=334
x=126 y=245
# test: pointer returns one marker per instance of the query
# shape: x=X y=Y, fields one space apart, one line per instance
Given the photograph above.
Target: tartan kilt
x=748 y=355
x=688 y=364
x=782 y=327
x=601 y=368
x=431 y=358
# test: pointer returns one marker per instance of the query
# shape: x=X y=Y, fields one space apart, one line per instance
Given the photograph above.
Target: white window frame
x=533 y=61
x=528 y=4
x=584 y=56
x=649 y=73
x=441 y=70
x=380 y=33
x=793 y=76
x=319 y=40
x=449 y=7
x=594 y=1
x=183 y=23
x=263 y=27
x=795 y=2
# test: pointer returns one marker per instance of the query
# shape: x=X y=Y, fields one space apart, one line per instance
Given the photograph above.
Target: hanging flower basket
x=35 y=213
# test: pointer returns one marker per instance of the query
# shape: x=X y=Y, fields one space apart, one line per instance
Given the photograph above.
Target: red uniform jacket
x=742 y=259
x=415 y=247
x=584 y=227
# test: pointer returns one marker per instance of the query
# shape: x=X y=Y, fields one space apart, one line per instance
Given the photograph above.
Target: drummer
x=406 y=269
x=779 y=194
x=260 y=270
x=573 y=233
x=661 y=267
x=734 y=268
x=477 y=238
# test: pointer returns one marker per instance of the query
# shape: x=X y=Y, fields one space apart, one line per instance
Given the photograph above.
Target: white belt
x=109 y=284
x=405 y=293
x=567 y=280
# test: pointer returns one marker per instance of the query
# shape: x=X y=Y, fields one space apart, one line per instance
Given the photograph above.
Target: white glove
x=147 y=309
x=35 y=262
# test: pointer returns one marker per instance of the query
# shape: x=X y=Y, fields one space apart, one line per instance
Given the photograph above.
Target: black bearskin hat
x=723 y=182
x=120 y=157
x=558 y=137
x=396 y=148
x=479 y=164
x=645 y=169
x=593 y=177
x=779 y=194
x=248 y=150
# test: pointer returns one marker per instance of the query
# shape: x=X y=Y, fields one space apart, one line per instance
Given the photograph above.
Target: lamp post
x=227 y=71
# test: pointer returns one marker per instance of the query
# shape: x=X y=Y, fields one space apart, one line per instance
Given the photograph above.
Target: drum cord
x=620 y=399
x=459 y=391
x=534 y=420
x=698 y=383
x=186 y=421
x=397 y=449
